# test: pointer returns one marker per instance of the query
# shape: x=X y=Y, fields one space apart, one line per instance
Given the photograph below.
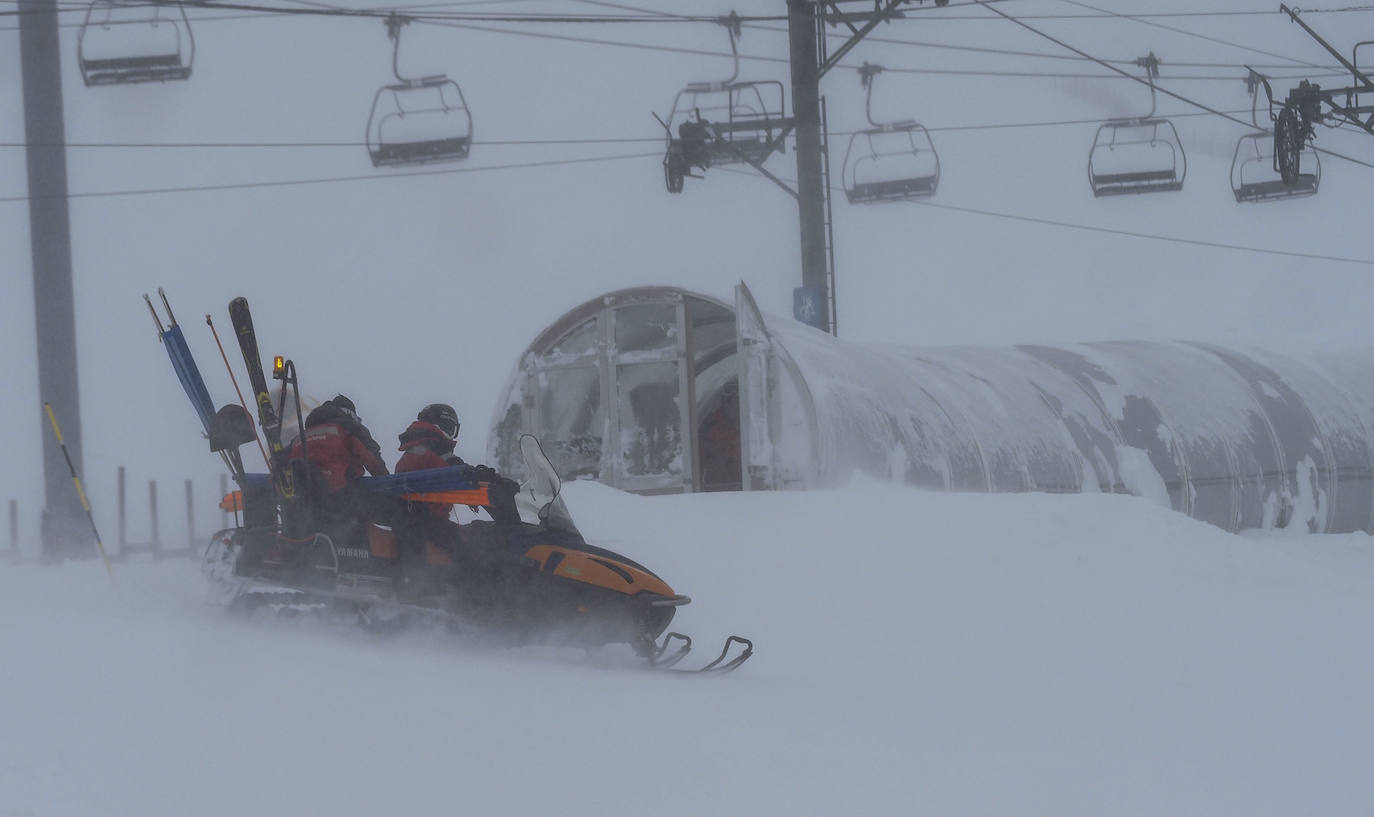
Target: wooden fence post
x=14 y=530
x=156 y=544
x=123 y=518
x=190 y=518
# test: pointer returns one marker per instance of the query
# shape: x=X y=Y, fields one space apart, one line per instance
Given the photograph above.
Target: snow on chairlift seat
x=1136 y=156
x=1254 y=179
x=742 y=119
x=121 y=43
x=419 y=122
x=891 y=162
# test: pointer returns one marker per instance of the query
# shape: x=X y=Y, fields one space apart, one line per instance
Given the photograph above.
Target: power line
x=1073 y=75
x=320 y=10
x=333 y=144
x=81 y=8
x=590 y=140
x=332 y=179
x=1136 y=15
x=1114 y=231
x=1150 y=236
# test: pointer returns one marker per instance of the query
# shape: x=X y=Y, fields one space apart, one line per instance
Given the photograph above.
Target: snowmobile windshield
x=539 y=500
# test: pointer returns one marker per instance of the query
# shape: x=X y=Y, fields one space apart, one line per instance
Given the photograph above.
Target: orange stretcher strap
x=471 y=496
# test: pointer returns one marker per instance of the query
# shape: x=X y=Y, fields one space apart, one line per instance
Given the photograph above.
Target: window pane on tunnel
x=646 y=328
x=571 y=418
x=650 y=412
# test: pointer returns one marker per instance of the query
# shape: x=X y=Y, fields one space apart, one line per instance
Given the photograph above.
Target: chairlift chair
x=723 y=122
x=741 y=120
x=1138 y=155
x=1255 y=174
x=128 y=42
x=417 y=120
x=890 y=161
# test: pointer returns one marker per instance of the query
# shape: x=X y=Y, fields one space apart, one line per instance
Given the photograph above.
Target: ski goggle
x=449 y=426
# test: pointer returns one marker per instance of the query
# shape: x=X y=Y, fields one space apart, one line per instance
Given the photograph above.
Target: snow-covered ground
x=917 y=653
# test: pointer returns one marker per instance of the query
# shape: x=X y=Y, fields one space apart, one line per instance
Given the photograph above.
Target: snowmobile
x=531 y=580
x=527 y=576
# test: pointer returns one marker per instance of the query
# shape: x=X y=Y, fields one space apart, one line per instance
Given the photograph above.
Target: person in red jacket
x=339 y=449
x=428 y=443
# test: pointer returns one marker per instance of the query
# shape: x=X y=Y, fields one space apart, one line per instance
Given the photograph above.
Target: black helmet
x=345 y=404
x=442 y=416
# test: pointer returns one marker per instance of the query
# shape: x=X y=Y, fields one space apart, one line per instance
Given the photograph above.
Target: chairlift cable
x=1045 y=56
x=969 y=48
x=330 y=179
x=1140 y=18
x=453 y=22
x=783 y=60
x=1161 y=89
x=1156 y=86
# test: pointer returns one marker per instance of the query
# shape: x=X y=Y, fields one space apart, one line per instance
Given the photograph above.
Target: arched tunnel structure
x=659 y=390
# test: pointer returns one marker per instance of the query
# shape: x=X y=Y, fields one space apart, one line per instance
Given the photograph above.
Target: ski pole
x=79 y=490
x=237 y=390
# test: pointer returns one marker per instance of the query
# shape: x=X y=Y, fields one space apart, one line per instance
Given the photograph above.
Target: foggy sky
x=408 y=290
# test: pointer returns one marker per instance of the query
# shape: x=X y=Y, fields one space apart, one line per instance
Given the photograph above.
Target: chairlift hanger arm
x=841 y=17
x=1368 y=85
x=1350 y=113
x=394 y=23
x=884 y=10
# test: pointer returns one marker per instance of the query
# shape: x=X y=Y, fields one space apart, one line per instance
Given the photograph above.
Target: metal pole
x=62 y=531
x=814 y=301
x=156 y=543
x=224 y=489
x=123 y=516
x=190 y=519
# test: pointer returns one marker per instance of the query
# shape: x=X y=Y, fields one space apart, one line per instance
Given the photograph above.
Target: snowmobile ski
x=661 y=658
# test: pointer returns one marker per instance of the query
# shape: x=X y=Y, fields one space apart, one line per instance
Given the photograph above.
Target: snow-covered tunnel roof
x=660 y=389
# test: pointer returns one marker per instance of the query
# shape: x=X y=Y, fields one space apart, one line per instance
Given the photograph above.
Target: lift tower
x=63 y=527
x=814 y=301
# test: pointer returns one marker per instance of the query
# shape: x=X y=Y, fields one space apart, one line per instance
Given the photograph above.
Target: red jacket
x=425 y=447
x=338 y=455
